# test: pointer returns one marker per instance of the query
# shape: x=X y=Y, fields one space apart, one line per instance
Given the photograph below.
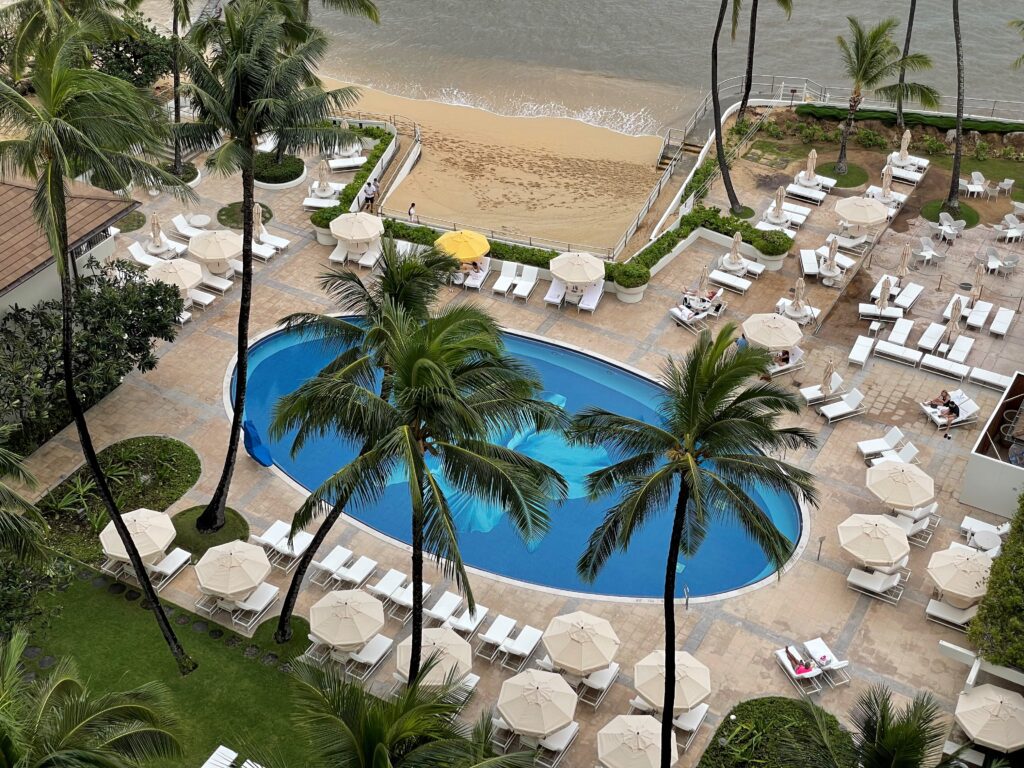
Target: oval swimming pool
x=728 y=559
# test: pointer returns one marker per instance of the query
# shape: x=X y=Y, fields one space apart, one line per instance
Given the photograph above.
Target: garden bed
x=231 y=215
x=191 y=540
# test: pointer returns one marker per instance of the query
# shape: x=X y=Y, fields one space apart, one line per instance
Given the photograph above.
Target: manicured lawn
x=746 y=212
x=994 y=169
x=855 y=176
x=230 y=699
x=132 y=221
x=231 y=215
x=191 y=540
x=930 y=211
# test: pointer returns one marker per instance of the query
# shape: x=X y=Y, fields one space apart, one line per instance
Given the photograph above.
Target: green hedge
x=325 y=216
x=521 y=254
x=267 y=170
x=998 y=629
x=941 y=122
x=755 y=737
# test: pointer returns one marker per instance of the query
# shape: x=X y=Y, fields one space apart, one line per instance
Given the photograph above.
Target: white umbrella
x=904 y=266
x=883 y=296
x=799 y=303
x=216 y=248
x=632 y=741
x=734 y=250
x=181 y=273
x=536 y=703
x=812 y=161
x=874 y=540
x=992 y=717
x=156 y=234
x=452 y=653
x=358 y=227
x=953 y=327
x=826 y=379
x=905 y=144
x=580 y=643
x=232 y=570
x=862 y=211
x=833 y=253
x=900 y=485
x=979 y=274
x=577 y=268
x=702 y=281
x=771 y=331
x=887 y=182
x=693 y=680
x=151 y=531
x=961 y=574
x=346 y=619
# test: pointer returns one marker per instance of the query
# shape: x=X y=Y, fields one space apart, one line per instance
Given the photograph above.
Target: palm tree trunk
x=417 y=594
x=669 y=605
x=716 y=104
x=751 y=41
x=844 y=137
x=903 y=69
x=176 y=77
x=182 y=659
x=212 y=518
x=953 y=200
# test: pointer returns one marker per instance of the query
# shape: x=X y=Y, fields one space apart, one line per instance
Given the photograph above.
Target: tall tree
x=953 y=199
x=79 y=120
x=253 y=79
x=409 y=281
x=787 y=6
x=903 y=68
x=870 y=56
x=452 y=384
x=298 y=19
x=21 y=526
x=710 y=445
x=716 y=104
x=58 y=721
x=179 y=17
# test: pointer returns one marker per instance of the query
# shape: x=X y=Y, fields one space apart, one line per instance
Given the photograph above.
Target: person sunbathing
x=782 y=358
x=941 y=400
x=951 y=411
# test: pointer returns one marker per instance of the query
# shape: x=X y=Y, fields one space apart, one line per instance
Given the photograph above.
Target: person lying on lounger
x=951 y=411
x=941 y=400
x=782 y=358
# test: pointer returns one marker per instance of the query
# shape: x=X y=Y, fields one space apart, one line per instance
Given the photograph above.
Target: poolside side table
x=987 y=540
x=199 y=221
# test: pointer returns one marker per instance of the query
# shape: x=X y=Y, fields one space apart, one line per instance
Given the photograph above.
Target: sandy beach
x=546 y=177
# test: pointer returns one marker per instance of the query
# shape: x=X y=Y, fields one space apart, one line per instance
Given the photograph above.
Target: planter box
x=630 y=295
x=324 y=236
x=195 y=182
x=283 y=185
x=771 y=263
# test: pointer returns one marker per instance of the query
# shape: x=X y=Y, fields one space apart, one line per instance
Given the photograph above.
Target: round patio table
x=729 y=266
x=157 y=248
x=828 y=276
x=199 y=221
x=987 y=539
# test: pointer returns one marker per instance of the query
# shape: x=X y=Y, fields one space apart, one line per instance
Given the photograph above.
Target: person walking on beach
x=412 y=213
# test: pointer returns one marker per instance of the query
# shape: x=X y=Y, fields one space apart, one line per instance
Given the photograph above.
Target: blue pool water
x=727 y=560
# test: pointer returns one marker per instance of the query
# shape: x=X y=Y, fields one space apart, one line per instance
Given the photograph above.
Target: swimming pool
x=728 y=559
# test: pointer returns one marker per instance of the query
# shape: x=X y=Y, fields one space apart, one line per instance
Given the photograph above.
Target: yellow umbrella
x=693 y=680
x=632 y=741
x=961 y=574
x=875 y=540
x=580 y=643
x=452 y=654
x=464 y=245
x=992 y=717
x=151 y=531
x=577 y=268
x=900 y=485
x=536 y=703
x=232 y=570
x=347 y=618
x=181 y=273
x=771 y=331
x=216 y=248
x=862 y=211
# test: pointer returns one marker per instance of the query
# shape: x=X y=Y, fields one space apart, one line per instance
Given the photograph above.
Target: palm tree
x=884 y=736
x=84 y=120
x=953 y=199
x=179 y=16
x=785 y=5
x=298 y=19
x=407 y=281
x=870 y=57
x=716 y=428
x=252 y=80
x=716 y=104
x=1018 y=24
x=903 y=69
x=452 y=385
x=21 y=525
x=59 y=721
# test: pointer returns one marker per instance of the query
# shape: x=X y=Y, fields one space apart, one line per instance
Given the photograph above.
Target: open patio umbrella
x=874 y=540
x=905 y=146
x=536 y=703
x=862 y=211
x=181 y=273
x=976 y=286
x=903 y=269
x=953 y=326
x=900 y=485
x=347 y=618
x=883 y=296
x=826 y=379
x=992 y=717
x=215 y=249
x=464 y=245
x=151 y=531
x=887 y=182
x=452 y=654
x=357 y=227
x=577 y=268
x=232 y=570
x=580 y=643
x=799 y=303
x=733 y=257
x=812 y=161
x=693 y=680
x=771 y=331
x=632 y=741
x=961 y=574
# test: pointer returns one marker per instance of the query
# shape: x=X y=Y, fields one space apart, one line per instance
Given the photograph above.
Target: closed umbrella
x=151 y=531
x=771 y=331
x=826 y=379
x=323 y=179
x=904 y=266
x=580 y=643
x=961 y=574
x=346 y=619
x=953 y=327
x=215 y=249
x=452 y=655
x=577 y=268
x=780 y=202
x=883 y=296
x=812 y=161
x=702 y=281
x=733 y=256
x=992 y=717
x=799 y=304
x=833 y=253
x=156 y=234
x=693 y=680
x=887 y=182
x=862 y=211
x=874 y=540
x=536 y=703
x=257 y=220
x=232 y=570
x=900 y=485
x=181 y=273
x=976 y=286
x=632 y=741
x=464 y=245
x=905 y=146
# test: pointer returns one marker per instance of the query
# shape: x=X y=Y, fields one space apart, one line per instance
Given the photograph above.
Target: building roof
x=23 y=246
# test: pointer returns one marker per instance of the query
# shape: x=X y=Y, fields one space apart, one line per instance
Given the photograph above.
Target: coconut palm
x=408 y=281
x=1018 y=24
x=785 y=5
x=180 y=16
x=452 y=386
x=716 y=104
x=870 y=57
x=716 y=428
x=903 y=69
x=952 y=204
x=79 y=120
x=21 y=525
x=58 y=721
x=253 y=79
x=298 y=19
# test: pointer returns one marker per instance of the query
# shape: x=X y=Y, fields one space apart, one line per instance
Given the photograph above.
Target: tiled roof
x=23 y=246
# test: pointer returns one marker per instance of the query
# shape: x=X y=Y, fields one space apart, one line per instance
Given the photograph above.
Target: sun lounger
x=808 y=263
x=894 y=283
x=182 y=229
x=475 y=280
x=872 y=312
x=275 y=242
x=861 y=350
x=365 y=662
x=903 y=176
x=222 y=757
x=291 y=552
x=968 y=411
x=931 y=337
x=989 y=379
x=340 y=254
x=1001 y=323
x=253 y=608
x=918 y=532
x=901 y=332
x=338 y=164
x=767 y=226
x=689 y=723
x=797 y=359
x=897 y=353
x=469 y=621
x=556 y=293
x=849 y=405
x=905 y=455
x=945 y=367
x=688 y=319
x=920 y=513
x=596 y=685
x=168 y=567
x=506 y=278
x=519 y=650
x=730 y=282
x=882 y=586
x=525 y=283
x=401 y=601
x=443 y=609
x=888 y=442
x=323 y=570
x=807 y=194
x=964 y=303
x=832 y=668
x=262 y=252
x=369 y=259
x=556 y=745
x=960 y=349
x=813 y=396
x=969 y=756
x=796 y=215
x=805 y=682
x=183 y=317
x=316 y=203
x=875 y=192
x=909 y=295
x=388 y=584
x=215 y=283
x=139 y=255
x=971 y=525
x=820 y=182
x=920 y=163
x=269 y=539
x=978 y=315
x=591 y=297
x=356 y=574
x=200 y=299
x=496 y=634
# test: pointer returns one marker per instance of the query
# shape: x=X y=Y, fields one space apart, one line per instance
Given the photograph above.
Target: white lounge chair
x=882 y=586
x=222 y=757
x=468 y=622
x=271 y=537
x=904 y=176
x=943 y=613
x=357 y=573
x=556 y=293
x=182 y=229
x=688 y=319
x=139 y=255
x=960 y=349
x=918 y=531
x=872 y=312
x=794 y=215
x=921 y=163
x=849 y=405
x=291 y=552
x=931 y=337
x=900 y=332
x=591 y=297
x=641 y=705
x=338 y=164
x=518 y=650
x=340 y=254
x=945 y=367
x=262 y=252
x=275 y=242
x=971 y=525
x=965 y=302
x=215 y=283
x=833 y=669
x=894 y=287
x=767 y=226
x=890 y=441
x=797 y=360
x=730 y=282
x=919 y=513
x=496 y=634
x=689 y=724
x=1001 y=323
x=968 y=411
x=443 y=609
x=909 y=295
x=556 y=745
x=861 y=350
x=388 y=584
x=401 y=601
x=809 y=263
x=365 y=662
x=905 y=455
x=168 y=567
x=200 y=299
x=506 y=278
x=596 y=685
x=805 y=682
x=323 y=570
x=255 y=606
x=979 y=314
x=927 y=252
x=369 y=259
x=820 y=182
x=899 y=354
x=989 y=379
x=475 y=280
x=316 y=203
x=525 y=283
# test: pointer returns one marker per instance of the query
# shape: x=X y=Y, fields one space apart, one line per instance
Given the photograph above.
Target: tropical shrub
x=325 y=216
x=911 y=119
x=631 y=275
x=870 y=139
x=268 y=170
x=811 y=133
x=521 y=254
x=21 y=584
x=141 y=58
x=933 y=146
x=700 y=177
x=772 y=129
x=998 y=629
x=981 y=150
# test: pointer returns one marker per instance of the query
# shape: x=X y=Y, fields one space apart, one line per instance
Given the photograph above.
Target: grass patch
x=191 y=540
x=745 y=212
x=229 y=699
x=151 y=472
x=133 y=221
x=931 y=210
x=264 y=638
x=995 y=169
x=855 y=176
x=231 y=215
x=188 y=174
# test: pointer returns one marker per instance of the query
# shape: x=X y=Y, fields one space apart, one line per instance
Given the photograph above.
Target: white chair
x=894 y=283
x=591 y=297
x=833 y=669
x=525 y=283
x=475 y=280
x=733 y=283
x=388 y=584
x=905 y=455
x=809 y=263
x=215 y=283
x=444 y=608
x=496 y=634
x=641 y=705
x=797 y=360
x=290 y=552
x=813 y=395
x=881 y=586
x=970 y=526
x=1006 y=186
x=200 y=299
x=979 y=314
x=255 y=606
x=222 y=757
x=502 y=735
x=918 y=531
x=138 y=253
x=357 y=573
x=931 y=337
x=686 y=318
x=519 y=650
x=557 y=744
x=919 y=513
x=182 y=229
x=340 y=254
x=899 y=354
x=926 y=252
x=168 y=567
x=849 y=405
x=596 y=685
x=901 y=331
x=903 y=176
x=365 y=662
x=506 y=278
x=960 y=349
x=872 y=312
x=338 y=164
x=401 y=601
x=805 y=682
x=278 y=530
x=945 y=367
x=556 y=293
x=968 y=411
x=888 y=442
x=369 y=259
x=689 y=723
x=909 y=295
x=468 y=622
x=943 y=613
x=317 y=203
x=861 y=350
x=323 y=570
x=806 y=194
x=275 y=242
x=990 y=379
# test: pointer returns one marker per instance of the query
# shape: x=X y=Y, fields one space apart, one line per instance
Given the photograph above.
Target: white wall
x=45 y=284
x=992 y=485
